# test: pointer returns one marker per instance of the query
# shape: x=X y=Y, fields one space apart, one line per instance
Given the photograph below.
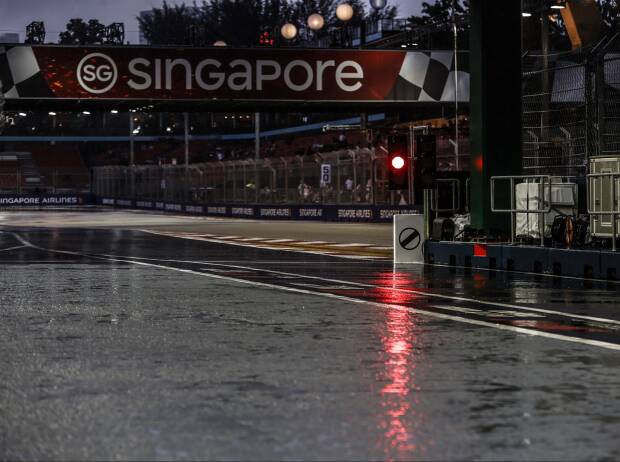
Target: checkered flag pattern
x=429 y=77
x=20 y=75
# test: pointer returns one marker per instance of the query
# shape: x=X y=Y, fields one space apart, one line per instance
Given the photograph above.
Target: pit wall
x=317 y=212
x=579 y=263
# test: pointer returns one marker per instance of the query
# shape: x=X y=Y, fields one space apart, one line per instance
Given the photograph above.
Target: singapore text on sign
x=147 y=73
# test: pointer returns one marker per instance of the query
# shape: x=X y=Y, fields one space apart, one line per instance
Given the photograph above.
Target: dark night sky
x=15 y=14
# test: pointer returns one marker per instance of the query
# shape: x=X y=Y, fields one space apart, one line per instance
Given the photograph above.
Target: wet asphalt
x=118 y=344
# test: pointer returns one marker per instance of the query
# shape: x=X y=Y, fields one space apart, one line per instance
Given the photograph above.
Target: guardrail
x=542 y=207
x=614 y=212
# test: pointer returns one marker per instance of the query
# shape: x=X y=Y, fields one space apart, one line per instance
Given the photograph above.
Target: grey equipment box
x=600 y=194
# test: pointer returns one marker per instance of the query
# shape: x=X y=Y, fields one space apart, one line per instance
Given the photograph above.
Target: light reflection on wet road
x=130 y=345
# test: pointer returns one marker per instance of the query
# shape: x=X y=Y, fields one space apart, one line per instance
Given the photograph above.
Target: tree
x=359 y=12
x=388 y=12
x=168 y=25
x=439 y=14
x=240 y=22
x=434 y=26
x=81 y=33
x=304 y=8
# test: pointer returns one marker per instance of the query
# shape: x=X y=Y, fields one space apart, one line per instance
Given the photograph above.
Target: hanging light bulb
x=289 y=31
x=316 y=21
x=344 y=12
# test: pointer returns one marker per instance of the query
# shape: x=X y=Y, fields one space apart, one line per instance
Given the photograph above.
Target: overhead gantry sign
x=212 y=75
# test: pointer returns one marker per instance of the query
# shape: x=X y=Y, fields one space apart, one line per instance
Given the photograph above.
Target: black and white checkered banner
x=20 y=75
x=147 y=73
x=430 y=77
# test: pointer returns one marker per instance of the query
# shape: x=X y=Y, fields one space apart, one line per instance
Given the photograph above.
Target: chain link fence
x=571 y=108
x=351 y=176
x=608 y=122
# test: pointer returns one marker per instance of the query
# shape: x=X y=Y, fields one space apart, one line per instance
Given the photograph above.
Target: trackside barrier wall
x=268 y=212
x=578 y=263
x=46 y=200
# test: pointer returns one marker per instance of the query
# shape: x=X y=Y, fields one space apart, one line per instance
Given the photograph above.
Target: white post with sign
x=409 y=238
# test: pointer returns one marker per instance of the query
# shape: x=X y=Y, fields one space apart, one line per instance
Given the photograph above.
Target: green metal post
x=495 y=103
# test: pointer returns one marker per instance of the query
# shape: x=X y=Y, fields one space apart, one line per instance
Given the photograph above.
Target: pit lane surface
x=125 y=344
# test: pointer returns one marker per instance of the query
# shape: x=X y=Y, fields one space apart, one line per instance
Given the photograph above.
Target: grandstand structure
x=108 y=145
x=570 y=112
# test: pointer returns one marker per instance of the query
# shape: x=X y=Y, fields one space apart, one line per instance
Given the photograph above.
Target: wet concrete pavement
x=120 y=344
x=95 y=217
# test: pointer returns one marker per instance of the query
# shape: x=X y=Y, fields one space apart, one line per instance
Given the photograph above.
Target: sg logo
x=96 y=73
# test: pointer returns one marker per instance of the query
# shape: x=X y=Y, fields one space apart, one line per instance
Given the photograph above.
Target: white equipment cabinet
x=560 y=198
x=600 y=194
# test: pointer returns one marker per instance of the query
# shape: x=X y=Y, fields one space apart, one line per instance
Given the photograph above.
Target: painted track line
x=12 y=248
x=521 y=330
x=394 y=289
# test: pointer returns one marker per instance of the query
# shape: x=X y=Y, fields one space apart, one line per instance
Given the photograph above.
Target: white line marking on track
x=522 y=330
x=395 y=289
x=12 y=248
x=491 y=313
x=417 y=292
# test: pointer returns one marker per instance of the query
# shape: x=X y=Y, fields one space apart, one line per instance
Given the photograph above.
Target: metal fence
x=608 y=116
x=352 y=176
x=61 y=180
x=571 y=108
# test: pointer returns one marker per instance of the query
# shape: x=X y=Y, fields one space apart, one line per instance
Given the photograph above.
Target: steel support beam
x=495 y=102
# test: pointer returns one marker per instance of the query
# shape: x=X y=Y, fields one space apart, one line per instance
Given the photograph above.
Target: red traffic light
x=398 y=162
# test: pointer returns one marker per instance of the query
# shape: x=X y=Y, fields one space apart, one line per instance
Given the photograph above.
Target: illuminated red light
x=479 y=163
x=398 y=162
x=480 y=250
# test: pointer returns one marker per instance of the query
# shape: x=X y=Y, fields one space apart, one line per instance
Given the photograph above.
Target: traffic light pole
x=412 y=130
x=428 y=213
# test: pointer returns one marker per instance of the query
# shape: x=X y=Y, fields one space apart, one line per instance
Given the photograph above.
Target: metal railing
x=592 y=205
x=357 y=176
x=543 y=206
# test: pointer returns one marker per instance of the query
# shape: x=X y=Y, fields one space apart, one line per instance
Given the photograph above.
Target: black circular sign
x=409 y=239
